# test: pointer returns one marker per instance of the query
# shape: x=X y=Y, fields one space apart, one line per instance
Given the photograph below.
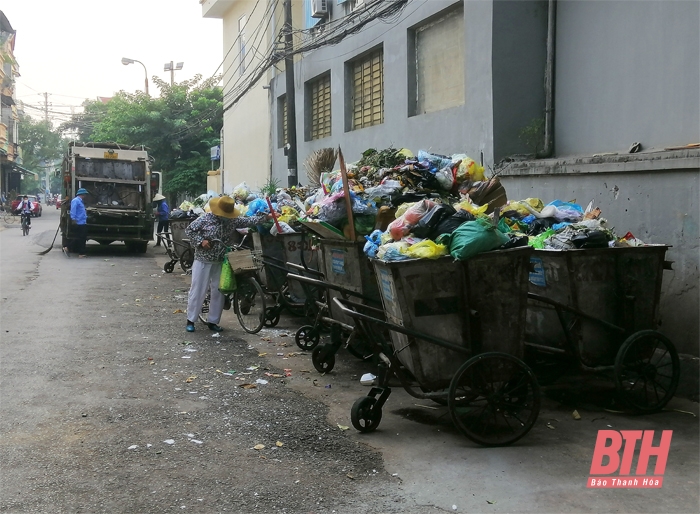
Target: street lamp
x=169 y=67
x=126 y=61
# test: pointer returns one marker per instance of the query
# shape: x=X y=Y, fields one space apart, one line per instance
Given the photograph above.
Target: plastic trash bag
x=427 y=226
x=241 y=191
x=538 y=241
x=468 y=206
x=445 y=178
x=427 y=249
x=257 y=206
x=450 y=224
x=475 y=237
x=402 y=225
x=436 y=161
x=286 y=229
x=374 y=241
x=393 y=251
x=468 y=169
x=227 y=281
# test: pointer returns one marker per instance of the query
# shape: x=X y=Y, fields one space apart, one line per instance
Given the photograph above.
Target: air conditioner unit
x=319 y=8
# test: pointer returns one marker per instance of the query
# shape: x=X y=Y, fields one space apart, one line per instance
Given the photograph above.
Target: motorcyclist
x=25 y=209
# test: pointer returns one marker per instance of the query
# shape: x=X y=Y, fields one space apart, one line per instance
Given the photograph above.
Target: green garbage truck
x=117 y=178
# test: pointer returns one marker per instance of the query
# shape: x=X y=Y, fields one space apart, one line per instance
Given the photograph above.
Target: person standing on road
x=25 y=208
x=163 y=215
x=78 y=216
x=209 y=236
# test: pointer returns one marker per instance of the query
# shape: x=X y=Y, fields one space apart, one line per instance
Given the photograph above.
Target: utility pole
x=292 y=179
x=46 y=107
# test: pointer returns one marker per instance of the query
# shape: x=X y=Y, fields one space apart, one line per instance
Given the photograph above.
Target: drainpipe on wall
x=548 y=149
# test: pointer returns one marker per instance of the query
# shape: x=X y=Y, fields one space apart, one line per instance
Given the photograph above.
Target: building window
x=367 y=86
x=436 y=64
x=241 y=44
x=318 y=102
x=282 y=121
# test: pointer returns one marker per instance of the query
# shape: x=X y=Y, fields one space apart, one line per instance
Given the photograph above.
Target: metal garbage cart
x=177 y=245
x=471 y=359
x=346 y=273
x=278 y=253
x=598 y=308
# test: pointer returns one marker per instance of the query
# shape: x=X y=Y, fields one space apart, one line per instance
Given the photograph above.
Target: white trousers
x=205 y=278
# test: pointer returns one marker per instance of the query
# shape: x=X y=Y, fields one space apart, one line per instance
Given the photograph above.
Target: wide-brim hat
x=223 y=206
x=158 y=197
x=82 y=191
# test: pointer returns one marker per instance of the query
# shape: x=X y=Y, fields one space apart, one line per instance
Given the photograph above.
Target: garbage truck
x=118 y=203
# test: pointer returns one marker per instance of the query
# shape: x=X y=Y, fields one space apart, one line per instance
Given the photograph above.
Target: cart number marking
x=537 y=276
x=338 y=262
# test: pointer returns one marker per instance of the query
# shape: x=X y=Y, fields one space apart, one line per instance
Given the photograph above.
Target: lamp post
x=126 y=61
x=169 y=67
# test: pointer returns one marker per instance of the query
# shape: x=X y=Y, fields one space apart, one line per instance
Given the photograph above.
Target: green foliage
x=42 y=149
x=179 y=127
x=533 y=135
x=270 y=187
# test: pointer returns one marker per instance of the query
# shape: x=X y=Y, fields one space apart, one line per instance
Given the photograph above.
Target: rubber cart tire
x=494 y=399
x=365 y=417
x=249 y=300
x=650 y=360
x=307 y=337
x=323 y=358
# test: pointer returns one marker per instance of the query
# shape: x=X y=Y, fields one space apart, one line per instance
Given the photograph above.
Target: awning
x=23 y=171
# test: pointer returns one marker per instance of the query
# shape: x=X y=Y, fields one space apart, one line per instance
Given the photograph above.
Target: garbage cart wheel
x=186 y=260
x=307 y=337
x=323 y=358
x=365 y=416
x=494 y=399
x=272 y=316
x=249 y=300
x=647 y=370
x=169 y=266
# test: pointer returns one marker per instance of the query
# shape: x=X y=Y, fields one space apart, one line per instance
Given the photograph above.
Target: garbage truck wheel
x=494 y=399
x=365 y=416
x=647 y=370
x=323 y=358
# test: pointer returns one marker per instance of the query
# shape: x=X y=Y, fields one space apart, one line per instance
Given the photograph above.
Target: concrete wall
x=246 y=135
x=626 y=71
x=654 y=196
x=518 y=61
x=467 y=128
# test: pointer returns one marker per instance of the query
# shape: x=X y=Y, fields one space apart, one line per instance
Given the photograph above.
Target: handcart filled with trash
x=472 y=358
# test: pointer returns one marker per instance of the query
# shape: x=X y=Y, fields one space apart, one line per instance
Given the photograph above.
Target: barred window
x=368 y=90
x=320 y=104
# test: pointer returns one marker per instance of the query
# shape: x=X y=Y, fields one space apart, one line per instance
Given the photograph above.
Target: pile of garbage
x=428 y=205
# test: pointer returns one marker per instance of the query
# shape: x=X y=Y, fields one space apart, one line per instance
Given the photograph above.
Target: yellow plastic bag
x=289 y=214
x=466 y=205
x=426 y=249
x=469 y=169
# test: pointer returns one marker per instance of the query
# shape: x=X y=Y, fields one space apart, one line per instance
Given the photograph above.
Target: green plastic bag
x=474 y=237
x=227 y=282
x=538 y=241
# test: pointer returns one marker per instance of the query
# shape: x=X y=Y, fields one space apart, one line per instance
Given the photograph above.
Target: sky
x=72 y=49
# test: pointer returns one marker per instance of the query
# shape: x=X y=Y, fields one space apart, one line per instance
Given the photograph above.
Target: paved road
x=96 y=373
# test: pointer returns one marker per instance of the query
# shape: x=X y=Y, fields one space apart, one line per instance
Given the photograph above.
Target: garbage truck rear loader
x=118 y=204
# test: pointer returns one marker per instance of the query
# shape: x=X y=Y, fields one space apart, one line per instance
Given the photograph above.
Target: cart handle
x=328 y=285
x=395 y=328
x=297 y=267
x=560 y=306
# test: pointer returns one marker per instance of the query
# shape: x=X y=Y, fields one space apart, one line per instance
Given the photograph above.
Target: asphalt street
x=108 y=405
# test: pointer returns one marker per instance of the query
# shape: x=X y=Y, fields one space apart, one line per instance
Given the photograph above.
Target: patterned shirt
x=210 y=227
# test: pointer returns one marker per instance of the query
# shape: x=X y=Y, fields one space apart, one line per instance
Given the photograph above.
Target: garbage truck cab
x=118 y=204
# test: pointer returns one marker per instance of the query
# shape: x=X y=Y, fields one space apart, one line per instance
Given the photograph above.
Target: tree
x=179 y=127
x=42 y=149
